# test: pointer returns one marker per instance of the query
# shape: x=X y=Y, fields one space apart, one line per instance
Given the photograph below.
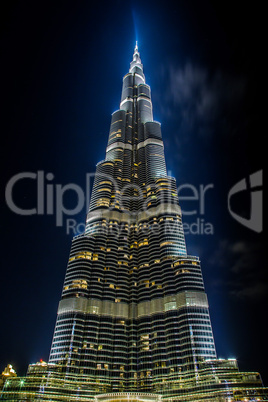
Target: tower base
x=215 y=380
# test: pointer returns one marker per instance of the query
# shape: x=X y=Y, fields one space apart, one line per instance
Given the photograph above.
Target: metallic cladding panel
x=127 y=88
x=152 y=129
x=133 y=311
x=144 y=90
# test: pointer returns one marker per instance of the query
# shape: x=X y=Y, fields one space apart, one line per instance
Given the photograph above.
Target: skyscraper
x=133 y=321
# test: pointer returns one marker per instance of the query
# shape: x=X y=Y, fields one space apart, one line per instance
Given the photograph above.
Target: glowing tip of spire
x=136 y=46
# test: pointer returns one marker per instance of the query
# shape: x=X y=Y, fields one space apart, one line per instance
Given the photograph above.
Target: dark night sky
x=62 y=68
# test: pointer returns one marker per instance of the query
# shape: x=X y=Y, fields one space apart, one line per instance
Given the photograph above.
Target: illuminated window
x=144 y=337
x=104 y=189
x=79 y=283
x=170 y=306
x=82 y=254
x=166 y=243
x=182 y=271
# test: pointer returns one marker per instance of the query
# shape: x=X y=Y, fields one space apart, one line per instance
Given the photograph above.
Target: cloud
x=248 y=277
x=203 y=101
x=255 y=291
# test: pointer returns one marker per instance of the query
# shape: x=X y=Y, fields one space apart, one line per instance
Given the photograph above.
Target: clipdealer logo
x=253 y=186
x=49 y=196
x=50 y=200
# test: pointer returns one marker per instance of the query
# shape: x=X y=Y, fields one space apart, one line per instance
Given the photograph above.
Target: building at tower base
x=218 y=380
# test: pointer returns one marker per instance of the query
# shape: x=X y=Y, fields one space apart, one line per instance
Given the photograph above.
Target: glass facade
x=133 y=320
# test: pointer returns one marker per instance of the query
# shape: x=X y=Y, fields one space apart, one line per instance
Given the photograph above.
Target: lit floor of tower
x=133 y=321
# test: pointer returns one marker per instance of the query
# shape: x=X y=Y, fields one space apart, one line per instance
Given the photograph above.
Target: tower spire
x=136 y=54
x=136 y=64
